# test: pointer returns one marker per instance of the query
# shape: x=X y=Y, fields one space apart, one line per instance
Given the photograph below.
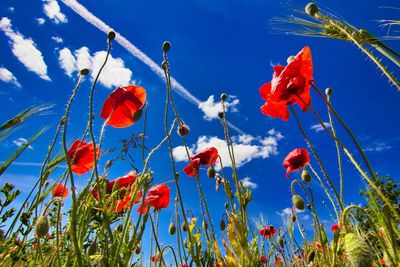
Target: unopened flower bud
x=224 y=96
x=184 y=227
x=290 y=59
x=205 y=225
x=111 y=35
x=306 y=176
x=183 y=130
x=211 y=172
x=222 y=225
x=92 y=248
x=357 y=250
x=298 y=202
x=293 y=218
x=328 y=91
x=221 y=115
x=138 y=249
x=166 y=46
x=172 y=228
x=281 y=242
x=84 y=72
x=42 y=226
x=311 y=9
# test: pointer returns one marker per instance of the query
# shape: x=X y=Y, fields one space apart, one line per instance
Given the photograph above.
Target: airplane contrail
x=136 y=52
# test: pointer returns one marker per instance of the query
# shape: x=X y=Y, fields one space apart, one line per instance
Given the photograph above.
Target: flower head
x=59 y=190
x=268 y=231
x=81 y=156
x=122 y=182
x=296 y=160
x=335 y=227
x=123 y=106
x=290 y=84
x=207 y=157
x=263 y=259
x=158 y=196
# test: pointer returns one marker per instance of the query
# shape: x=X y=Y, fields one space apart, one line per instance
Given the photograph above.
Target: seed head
x=290 y=59
x=111 y=35
x=183 y=130
x=328 y=91
x=84 y=72
x=222 y=225
x=211 y=172
x=224 y=96
x=166 y=46
x=357 y=250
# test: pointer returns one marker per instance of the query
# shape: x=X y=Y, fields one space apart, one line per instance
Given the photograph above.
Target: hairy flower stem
x=153 y=229
x=73 y=230
x=318 y=159
x=339 y=156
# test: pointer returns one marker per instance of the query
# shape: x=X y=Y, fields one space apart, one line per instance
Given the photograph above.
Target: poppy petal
x=192 y=169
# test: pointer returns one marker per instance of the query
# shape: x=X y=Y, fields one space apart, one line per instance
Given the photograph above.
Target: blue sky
x=217 y=46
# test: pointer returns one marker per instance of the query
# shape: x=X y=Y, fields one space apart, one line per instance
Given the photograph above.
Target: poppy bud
x=108 y=164
x=42 y=226
x=311 y=9
x=328 y=91
x=298 y=202
x=172 y=228
x=166 y=46
x=211 y=172
x=222 y=225
x=221 y=115
x=357 y=250
x=290 y=59
x=184 y=227
x=111 y=35
x=281 y=242
x=294 y=218
x=224 y=96
x=306 y=176
x=311 y=257
x=164 y=65
x=92 y=248
x=138 y=250
x=309 y=206
x=205 y=225
x=84 y=72
x=183 y=130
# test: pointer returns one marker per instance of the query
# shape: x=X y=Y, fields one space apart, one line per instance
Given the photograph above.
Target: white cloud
x=378 y=146
x=11 y=9
x=246 y=182
x=212 y=108
x=7 y=77
x=40 y=21
x=57 y=39
x=53 y=11
x=318 y=127
x=20 y=142
x=246 y=148
x=25 y=50
x=114 y=73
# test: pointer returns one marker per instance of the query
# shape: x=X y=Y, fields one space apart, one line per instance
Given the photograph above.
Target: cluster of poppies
x=122 y=108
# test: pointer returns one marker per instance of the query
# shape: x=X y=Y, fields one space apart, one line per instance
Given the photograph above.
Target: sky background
x=217 y=46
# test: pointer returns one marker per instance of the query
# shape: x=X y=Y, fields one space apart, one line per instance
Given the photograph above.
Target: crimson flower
x=207 y=157
x=268 y=231
x=81 y=156
x=123 y=106
x=59 y=190
x=295 y=160
x=155 y=259
x=263 y=259
x=158 y=196
x=335 y=227
x=122 y=182
x=290 y=84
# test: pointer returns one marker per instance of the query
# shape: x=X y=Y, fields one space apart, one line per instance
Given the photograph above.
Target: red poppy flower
x=335 y=227
x=155 y=259
x=59 y=190
x=158 y=196
x=290 y=84
x=263 y=259
x=268 y=231
x=207 y=157
x=143 y=208
x=122 y=182
x=81 y=155
x=123 y=106
x=296 y=160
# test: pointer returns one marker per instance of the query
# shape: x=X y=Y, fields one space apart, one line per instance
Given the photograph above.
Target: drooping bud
x=111 y=35
x=166 y=46
x=328 y=91
x=138 y=249
x=84 y=72
x=92 y=248
x=211 y=172
x=42 y=226
x=222 y=224
x=205 y=225
x=293 y=218
x=306 y=176
x=224 y=96
x=172 y=228
x=221 y=115
x=183 y=130
x=290 y=59
x=184 y=227
x=164 y=65
x=281 y=241
x=357 y=250
x=298 y=202
x=311 y=9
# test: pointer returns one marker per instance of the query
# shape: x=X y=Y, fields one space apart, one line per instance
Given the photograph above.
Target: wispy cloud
x=318 y=127
x=57 y=39
x=40 y=21
x=114 y=73
x=31 y=164
x=136 y=52
x=25 y=50
x=246 y=148
x=8 y=77
x=246 y=182
x=53 y=11
x=378 y=146
x=212 y=108
x=21 y=141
